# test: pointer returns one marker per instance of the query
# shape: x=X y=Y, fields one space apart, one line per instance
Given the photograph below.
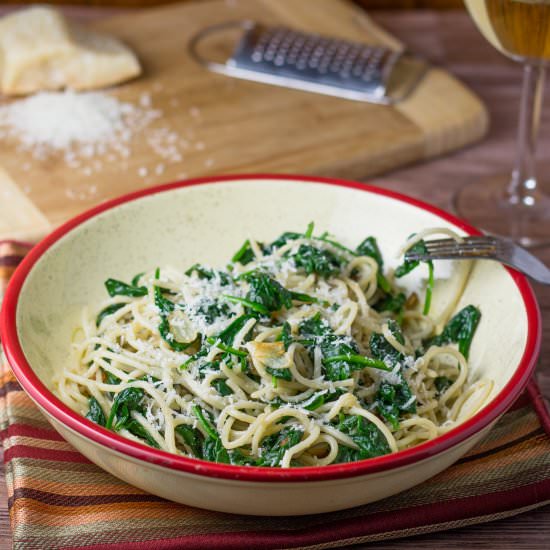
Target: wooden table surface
x=451 y=40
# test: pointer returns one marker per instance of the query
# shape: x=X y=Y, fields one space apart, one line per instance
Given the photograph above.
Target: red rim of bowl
x=72 y=420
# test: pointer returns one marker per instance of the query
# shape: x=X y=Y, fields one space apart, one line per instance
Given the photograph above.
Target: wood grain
x=451 y=40
x=369 y=4
x=279 y=130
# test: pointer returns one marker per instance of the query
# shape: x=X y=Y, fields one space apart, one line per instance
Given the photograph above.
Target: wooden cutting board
x=229 y=125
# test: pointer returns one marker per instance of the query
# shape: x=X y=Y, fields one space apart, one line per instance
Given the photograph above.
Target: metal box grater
x=295 y=59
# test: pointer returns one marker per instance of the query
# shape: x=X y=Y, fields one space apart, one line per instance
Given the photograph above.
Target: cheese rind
x=41 y=50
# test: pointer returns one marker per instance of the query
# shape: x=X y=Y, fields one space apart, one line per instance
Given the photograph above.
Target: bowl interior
x=208 y=222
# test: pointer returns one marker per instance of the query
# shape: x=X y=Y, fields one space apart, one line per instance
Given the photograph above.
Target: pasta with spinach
x=301 y=352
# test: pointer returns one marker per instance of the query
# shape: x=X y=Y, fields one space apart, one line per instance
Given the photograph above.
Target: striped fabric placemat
x=58 y=499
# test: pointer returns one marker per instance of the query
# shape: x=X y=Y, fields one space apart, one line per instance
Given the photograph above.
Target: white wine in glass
x=515 y=205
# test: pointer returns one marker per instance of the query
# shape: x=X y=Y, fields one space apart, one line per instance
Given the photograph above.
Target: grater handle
x=210 y=64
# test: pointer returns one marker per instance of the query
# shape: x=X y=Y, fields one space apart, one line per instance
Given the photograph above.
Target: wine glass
x=514 y=205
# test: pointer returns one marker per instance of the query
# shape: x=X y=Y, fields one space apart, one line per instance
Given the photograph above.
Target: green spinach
x=369 y=247
x=381 y=349
x=227 y=335
x=118 y=288
x=286 y=335
x=212 y=446
x=135 y=428
x=165 y=308
x=244 y=255
x=192 y=437
x=408 y=265
x=221 y=387
x=369 y=439
x=340 y=355
x=283 y=374
x=274 y=446
x=317 y=260
x=393 y=399
x=460 y=329
x=126 y=401
x=212 y=310
x=283 y=239
x=95 y=412
x=442 y=383
x=266 y=291
x=393 y=303
x=109 y=310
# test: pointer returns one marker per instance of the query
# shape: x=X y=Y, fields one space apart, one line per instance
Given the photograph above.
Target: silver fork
x=485 y=247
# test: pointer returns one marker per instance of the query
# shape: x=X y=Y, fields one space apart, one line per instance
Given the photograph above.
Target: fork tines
x=468 y=247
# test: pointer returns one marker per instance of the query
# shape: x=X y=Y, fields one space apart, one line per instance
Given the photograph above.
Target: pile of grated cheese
x=89 y=123
x=88 y=130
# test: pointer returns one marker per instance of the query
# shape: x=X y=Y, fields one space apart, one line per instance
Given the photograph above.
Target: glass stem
x=522 y=189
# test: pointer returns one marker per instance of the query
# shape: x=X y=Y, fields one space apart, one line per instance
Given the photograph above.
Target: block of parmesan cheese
x=41 y=50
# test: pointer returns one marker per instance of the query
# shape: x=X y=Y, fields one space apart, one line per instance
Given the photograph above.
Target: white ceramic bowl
x=206 y=220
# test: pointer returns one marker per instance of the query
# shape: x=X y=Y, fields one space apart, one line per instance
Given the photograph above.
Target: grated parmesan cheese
x=58 y=120
x=83 y=128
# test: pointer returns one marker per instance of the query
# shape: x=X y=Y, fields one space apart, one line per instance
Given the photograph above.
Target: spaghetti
x=301 y=352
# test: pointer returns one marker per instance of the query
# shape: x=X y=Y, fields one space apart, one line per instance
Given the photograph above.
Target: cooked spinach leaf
x=109 y=310
x=394 y=399
x=391 y=303
x=238 y=458
x=221 y=387
x=128 y=400
x=320 y=398
x=227 y=335
x=381 y=349
x=253 y=306
x=134 y=427
x=244 y=255
x=442 y=383
x=266 y=295
x=110 y=378
x=274 y=446
x=286 y=335
x=460 y=329
x=283 y=374
x=408 y=265
x=283 y=239
x=369 y=247
x=340 y=355
x=95 y=412
x=205 y=421
x=214 y=451
x=317 y=260
x=266 y=291
x=118 y=288
x=192 y=437
x=212 y=310
x=206 y=367
x=165 y=307
x=136 y=278
x=212 y=446
x=365 y=435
